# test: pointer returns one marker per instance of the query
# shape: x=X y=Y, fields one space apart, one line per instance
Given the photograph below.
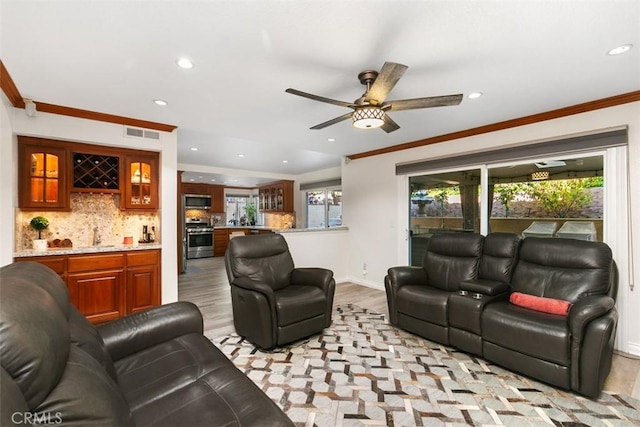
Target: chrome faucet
x=96 y=237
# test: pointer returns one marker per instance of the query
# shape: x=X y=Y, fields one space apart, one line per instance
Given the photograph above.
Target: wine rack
x=95 y=171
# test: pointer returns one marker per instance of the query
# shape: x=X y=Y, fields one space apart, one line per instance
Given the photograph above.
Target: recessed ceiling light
x=285 y=161
x=199 y=176
x=620 y=50
x=191 y=179
x=194 y=149
x=331 y=139
x=474 y=95
x=184 y=63
x=241 y=155
x=212 y=180
x=161 y=102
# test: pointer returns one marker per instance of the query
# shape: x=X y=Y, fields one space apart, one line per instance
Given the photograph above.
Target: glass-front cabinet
x=43 y=176
x=141 y=183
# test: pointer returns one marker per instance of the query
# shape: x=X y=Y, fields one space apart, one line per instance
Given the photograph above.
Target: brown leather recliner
x=273 y=302
x=573 y=351
x=151 y=368
x=417 y=297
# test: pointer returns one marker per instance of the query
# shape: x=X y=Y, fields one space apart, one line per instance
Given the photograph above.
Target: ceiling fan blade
x=387 y=78
x=389 y=125
x=320 y=98
x=432 y=101
x=333 y=121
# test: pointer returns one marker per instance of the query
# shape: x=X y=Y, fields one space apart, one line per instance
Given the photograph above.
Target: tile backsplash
x=87 y=212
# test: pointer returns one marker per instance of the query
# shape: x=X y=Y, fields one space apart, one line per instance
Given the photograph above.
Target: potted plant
x=251 y=210
x=39 y=223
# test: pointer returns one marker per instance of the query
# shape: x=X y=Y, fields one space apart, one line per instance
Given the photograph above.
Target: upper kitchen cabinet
x=217 y=198
x=43 y=171
x=140 y=182
x=276 y=197
x=95 y=172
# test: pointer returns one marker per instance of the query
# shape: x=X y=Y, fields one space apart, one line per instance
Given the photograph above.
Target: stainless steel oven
x=199 y=239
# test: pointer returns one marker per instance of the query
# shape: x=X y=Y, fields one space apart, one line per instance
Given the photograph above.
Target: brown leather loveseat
x=544 y=307
x=152 y=368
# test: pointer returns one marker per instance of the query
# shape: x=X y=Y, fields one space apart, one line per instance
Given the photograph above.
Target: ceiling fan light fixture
x=368 y=117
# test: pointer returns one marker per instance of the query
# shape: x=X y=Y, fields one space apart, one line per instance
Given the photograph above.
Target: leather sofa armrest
x=406 y=275
x=584 y=311
x=319 y=277
x=138 y=331
x=254 y=285
x=396 y=278
x=484 y=287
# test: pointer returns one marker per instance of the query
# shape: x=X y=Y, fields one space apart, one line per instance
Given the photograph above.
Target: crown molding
x=520 y=121
x=13 y=94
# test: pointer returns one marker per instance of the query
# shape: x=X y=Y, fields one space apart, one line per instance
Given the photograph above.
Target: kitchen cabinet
x=142 y=291
x=92 y=172
x=43 y=175
x=49 y=171
x=194 y=188
x=105 y=286
x=140 y=182
x=221 y=237
x=220 y=241
x=96 y=285
x=217 y=199
x=276 y=197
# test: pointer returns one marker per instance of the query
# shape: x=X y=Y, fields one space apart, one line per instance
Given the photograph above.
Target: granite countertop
x=86 y=250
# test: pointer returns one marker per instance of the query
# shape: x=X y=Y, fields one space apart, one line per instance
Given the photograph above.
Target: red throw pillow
x=546 y=305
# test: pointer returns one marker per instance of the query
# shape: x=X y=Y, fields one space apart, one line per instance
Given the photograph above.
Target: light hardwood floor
x=205 y=284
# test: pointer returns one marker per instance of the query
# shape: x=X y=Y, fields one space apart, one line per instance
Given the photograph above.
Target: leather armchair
x=417 y=297
x=273 y=302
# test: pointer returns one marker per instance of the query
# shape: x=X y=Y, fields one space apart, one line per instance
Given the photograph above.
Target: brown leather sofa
x=273 y=302
x=153 y=368
x=463 y=297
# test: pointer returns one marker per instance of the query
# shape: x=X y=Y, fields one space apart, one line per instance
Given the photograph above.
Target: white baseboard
x=634 y=348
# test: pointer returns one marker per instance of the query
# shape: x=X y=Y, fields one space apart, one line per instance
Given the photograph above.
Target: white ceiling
x=116 y=57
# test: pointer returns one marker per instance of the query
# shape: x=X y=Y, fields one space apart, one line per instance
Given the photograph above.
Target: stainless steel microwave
x=197 y=201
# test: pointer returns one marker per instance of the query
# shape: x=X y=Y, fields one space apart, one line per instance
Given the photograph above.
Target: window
x=324 y=208
x=236 y=214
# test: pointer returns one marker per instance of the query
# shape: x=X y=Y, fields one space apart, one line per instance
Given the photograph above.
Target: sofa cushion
x=546 y=305
x=152 y=373
x=565 y=269
x=189 y=382
x=86 y=394
x=536 y=334
x=424 y=303
x=452 y=258
x=499 y=256
x=297 y=303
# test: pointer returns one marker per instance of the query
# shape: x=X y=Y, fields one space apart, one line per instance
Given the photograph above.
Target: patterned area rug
x=363 y=371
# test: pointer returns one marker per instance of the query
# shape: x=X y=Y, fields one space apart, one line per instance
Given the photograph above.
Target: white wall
x=100 y=133
x=372 y=194
x=320 y=249
x=8 y=185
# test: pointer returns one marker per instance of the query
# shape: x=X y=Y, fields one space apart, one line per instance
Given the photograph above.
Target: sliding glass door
x=552 y=197
x=442 y=202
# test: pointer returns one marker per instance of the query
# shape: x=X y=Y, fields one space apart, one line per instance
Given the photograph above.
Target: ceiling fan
x=370 y=110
